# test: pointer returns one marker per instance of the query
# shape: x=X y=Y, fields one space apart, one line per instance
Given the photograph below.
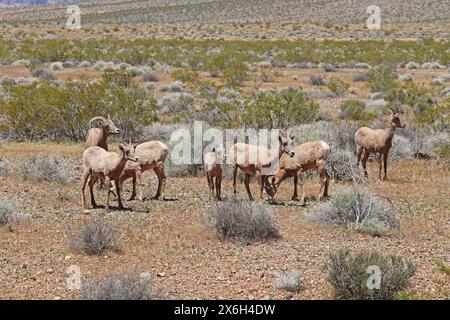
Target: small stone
x=87 y=211
x=50 y=270
x=161 y=274
x=67 y=258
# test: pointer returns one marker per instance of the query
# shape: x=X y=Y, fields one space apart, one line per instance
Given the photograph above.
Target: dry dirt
x=186 y=259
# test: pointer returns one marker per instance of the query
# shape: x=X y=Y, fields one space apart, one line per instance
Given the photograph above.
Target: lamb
x=213 y=167
x=101 y=164
x=152 y=155
x=376 y=141
x=98 y=136
x=252 y=159
x=308 y=156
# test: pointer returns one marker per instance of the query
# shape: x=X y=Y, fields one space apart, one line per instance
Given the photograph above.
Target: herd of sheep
x=105 y=166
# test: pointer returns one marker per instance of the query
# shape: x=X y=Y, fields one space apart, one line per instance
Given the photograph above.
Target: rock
x=87 y=211
x=376 y=95
x=50 y=270
x=161 y=274
x=375 y=104
x=67 y=258
x=438 y=81
x=406 y=78
x=446 y=91
x=412 y=65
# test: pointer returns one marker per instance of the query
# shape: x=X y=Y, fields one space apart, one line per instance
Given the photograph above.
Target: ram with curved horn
x=378 y=141
x=98 y=136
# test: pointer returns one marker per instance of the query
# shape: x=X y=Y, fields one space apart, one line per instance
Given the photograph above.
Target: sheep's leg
x=116 y=182
x=364 y=162
x=324 y=180
x=218 y=187
x=295 y=195
x=234 y=178
x=92 y=183
x=159 y=170
x=263 y=182
x=247 y=186
x=301 y=182
x=359 y=151
x=385 y=158
x=380 y=165
x=108 y=185
x=210 y=185
x=137 y=185
x=84 y=180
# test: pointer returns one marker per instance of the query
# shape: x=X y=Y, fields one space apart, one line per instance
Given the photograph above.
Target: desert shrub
x=85 y=64
x=288 y=280
x=337 y=86
x=149 y=76
x=5 y=167
x=349 y=275
x=361 y=77
x=68 y=108
x=401 y=148
x=357 y=210
x=7 y=80
x=9 y=215
x=44 y=74
x=381 y=78
x=316 y=80
x=126 y=286
x=273 y=109
x=44 y=167
x=56 y=66
x=341 y=165
x=354 y=110
x=243 y=221
x=96 y=237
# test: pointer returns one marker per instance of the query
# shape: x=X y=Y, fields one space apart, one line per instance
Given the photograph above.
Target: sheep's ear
x=109 y=118
x=280 y=138
x=122 y=147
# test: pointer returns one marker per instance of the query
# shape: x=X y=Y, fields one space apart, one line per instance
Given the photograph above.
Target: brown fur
x=378 y=141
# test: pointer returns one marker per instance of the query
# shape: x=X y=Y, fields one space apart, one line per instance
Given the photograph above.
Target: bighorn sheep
x=251 y=159
x=101 y=164
x=152 y=155
x=98 y=136
x=309 y=155
x=376 y=141
x=213 y=167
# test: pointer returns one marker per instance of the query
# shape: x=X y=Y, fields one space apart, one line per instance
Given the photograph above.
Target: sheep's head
x=395 y=120
x=129 y=152
x=220 y=151
x=284 y=146
x=107 y=125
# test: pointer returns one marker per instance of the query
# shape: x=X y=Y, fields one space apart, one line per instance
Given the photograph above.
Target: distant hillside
x=32 y=2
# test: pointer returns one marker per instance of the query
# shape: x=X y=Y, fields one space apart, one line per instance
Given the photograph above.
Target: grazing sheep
x=251 y=159
x=152 y=155
x=98 y=136
x=213 y=167
x=376 y=141
x=309 y=155
x=101 y=164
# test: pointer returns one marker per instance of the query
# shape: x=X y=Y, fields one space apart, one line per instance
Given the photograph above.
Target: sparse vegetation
x=288 y=280
x=350 y=275
x=244 y=221
x=44 y=167
x=126 y=286
x=9 y=215
x=96 y=237
x=357 y=210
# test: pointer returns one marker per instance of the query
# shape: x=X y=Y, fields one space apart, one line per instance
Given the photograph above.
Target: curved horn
x=391 y=110
x=96 y=118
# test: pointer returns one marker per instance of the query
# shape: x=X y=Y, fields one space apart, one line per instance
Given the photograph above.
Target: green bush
x=355 y=110
x=337 y=86
x=381 y=78
x=357 y=210
x=350 y=275
x=273 y=109
x=44 y=110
